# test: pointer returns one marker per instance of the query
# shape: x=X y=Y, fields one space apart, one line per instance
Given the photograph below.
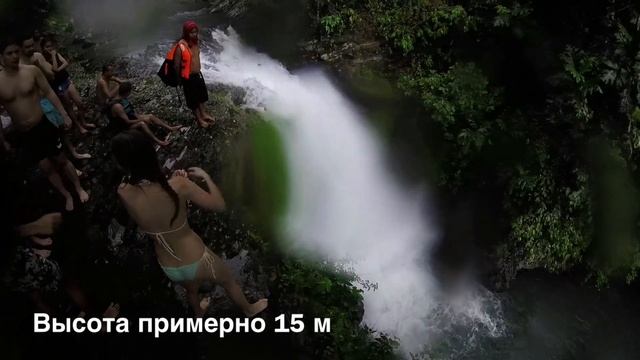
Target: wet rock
x=231 y=8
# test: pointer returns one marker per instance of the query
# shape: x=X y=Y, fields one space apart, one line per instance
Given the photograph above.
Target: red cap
x=187 y=28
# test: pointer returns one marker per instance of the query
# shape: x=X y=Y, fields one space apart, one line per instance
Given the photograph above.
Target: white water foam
x=345 y=204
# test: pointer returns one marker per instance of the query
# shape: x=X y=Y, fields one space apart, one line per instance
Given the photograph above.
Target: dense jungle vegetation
x=537 y=104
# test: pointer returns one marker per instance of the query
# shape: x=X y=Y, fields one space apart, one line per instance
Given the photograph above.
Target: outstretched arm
x=46 y=90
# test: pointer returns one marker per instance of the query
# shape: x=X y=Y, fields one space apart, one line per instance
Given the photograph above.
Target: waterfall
x=345 y=204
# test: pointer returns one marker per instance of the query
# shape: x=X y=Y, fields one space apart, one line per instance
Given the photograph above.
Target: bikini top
x=160 y=238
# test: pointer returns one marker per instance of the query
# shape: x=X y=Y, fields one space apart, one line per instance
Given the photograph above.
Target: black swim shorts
x=195 y=91
x=40 y=142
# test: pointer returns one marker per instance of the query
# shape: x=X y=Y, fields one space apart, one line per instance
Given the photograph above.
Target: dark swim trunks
x=40 y=142
x=195 y=90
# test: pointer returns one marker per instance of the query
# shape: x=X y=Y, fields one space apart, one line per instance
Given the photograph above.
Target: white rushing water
x=345 y=203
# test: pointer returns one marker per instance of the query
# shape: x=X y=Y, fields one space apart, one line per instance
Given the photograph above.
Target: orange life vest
x=185 y=72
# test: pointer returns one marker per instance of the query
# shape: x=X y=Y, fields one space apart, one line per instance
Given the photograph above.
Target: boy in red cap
x=187 y=62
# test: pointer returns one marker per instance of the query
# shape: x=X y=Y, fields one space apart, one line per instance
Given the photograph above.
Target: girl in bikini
x=159 y=207
x=63 y=86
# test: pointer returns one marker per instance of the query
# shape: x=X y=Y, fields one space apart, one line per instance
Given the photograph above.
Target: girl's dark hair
x=48 y=38
x=134 y=152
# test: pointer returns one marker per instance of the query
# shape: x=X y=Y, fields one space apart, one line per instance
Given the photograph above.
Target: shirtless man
x=21 y=87
x=105 y=87
x=195 y=90
x=30 y=56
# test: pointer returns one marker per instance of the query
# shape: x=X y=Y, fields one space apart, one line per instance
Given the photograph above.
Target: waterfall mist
x=345 y=205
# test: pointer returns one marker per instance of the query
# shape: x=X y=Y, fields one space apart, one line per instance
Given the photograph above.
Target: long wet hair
x=135 y=154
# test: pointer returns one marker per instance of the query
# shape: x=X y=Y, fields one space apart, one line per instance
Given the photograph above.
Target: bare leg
x=68 y=106
x=75 y=97
x=72 y=149
x=143 y=126
x=157 y=121
x=224 y=278
x=70 y=172
x=49 y=169
x=198 y=306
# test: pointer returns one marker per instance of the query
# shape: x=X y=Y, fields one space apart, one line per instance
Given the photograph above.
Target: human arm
x=210 y=199
x=104 y=87
x=177 y=61
x=48 y=93
x=58 y=65
x=43 y=65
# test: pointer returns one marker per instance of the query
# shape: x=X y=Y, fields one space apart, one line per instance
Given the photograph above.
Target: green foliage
x=337 y=16
x=505 y=15
x=583 y=71
x=461 y=59
x=417 y=27
x=323 y=292
x=332 y=24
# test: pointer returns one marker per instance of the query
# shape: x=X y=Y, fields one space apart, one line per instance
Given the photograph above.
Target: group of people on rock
x=41 y=110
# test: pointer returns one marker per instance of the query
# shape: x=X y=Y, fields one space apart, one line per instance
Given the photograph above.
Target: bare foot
x=68 y=205
x=203 y=123
x=82 y=156
x=82 y=130
x=163 y=143
x=175 y=128
x=112 y=311
x=89 y=125
x=84 y=197
x=256 y=307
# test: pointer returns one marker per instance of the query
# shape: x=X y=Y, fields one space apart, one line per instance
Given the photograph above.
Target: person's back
x=152 y=209
x=159 y=208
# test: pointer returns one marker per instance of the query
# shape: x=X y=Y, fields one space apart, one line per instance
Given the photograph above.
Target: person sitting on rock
x=122 y=116
x=106 y=87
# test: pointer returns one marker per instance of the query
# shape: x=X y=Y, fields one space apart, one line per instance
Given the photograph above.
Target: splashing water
x=344 y=202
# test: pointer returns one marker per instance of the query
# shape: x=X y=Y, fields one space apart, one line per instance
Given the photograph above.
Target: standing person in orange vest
x=187 y=63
